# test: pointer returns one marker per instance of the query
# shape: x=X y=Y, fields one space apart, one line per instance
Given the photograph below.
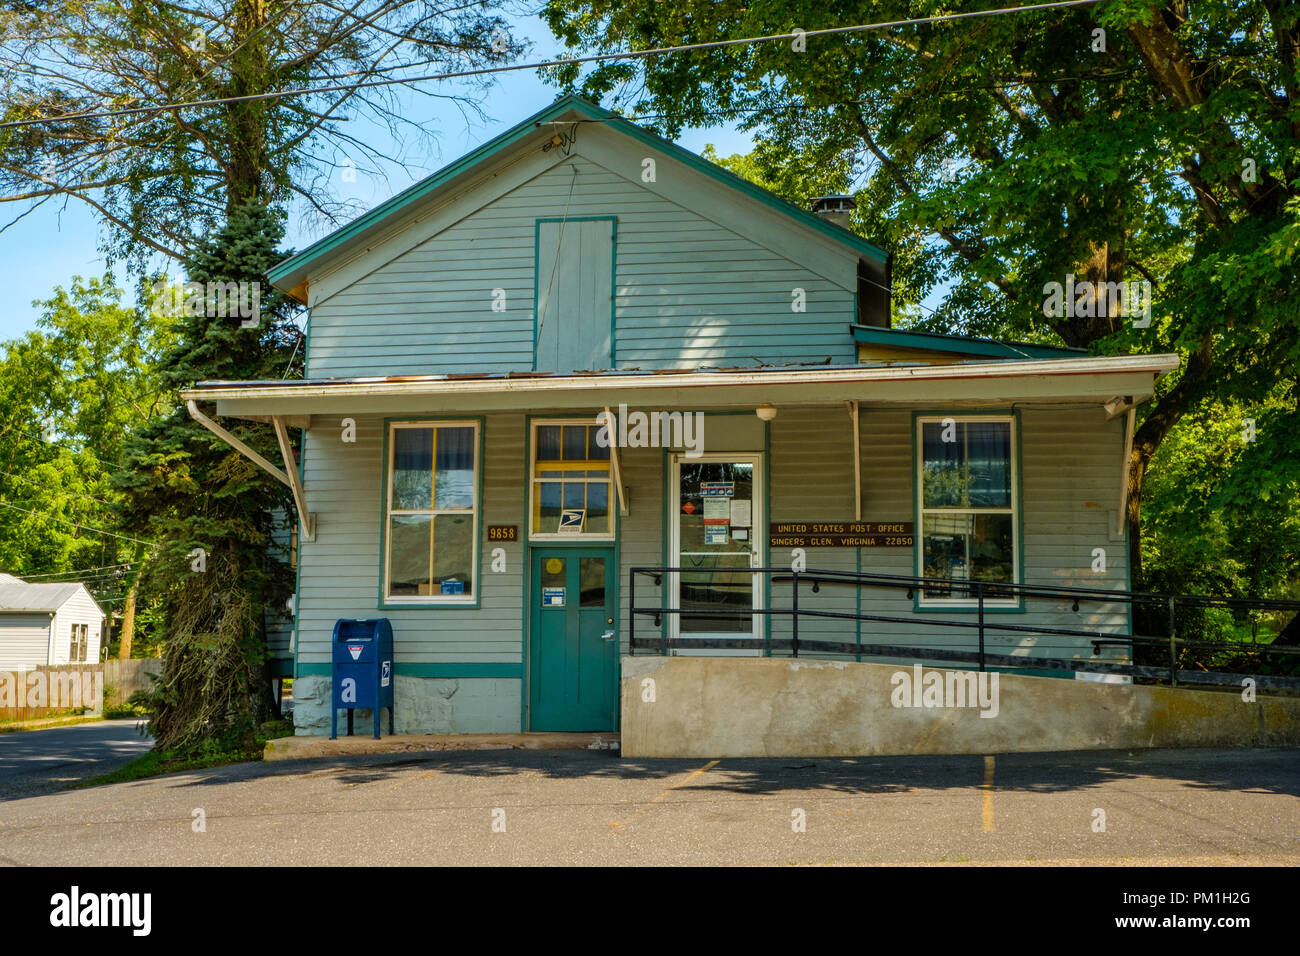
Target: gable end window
x=431 y=510
x=967 y=489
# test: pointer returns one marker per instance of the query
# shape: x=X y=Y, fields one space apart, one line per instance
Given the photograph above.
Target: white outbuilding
x=47 y=624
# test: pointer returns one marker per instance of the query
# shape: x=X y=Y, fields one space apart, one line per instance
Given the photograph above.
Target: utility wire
x=102 y=567
x=74 y=524
x=543 y=64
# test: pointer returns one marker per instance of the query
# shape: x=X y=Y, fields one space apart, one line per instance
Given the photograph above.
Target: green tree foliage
x=161 y=181
x=1221 y=518
x=70 y=391
x=210 y=509
x=1132 y=141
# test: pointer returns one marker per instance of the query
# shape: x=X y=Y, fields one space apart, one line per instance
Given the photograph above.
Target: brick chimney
x=835 y=209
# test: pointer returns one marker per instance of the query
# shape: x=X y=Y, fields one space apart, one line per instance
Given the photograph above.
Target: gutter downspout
x=857 y=461
x=1122 y=517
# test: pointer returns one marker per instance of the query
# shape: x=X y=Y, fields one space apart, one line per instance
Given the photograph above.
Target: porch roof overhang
x=1085 y=380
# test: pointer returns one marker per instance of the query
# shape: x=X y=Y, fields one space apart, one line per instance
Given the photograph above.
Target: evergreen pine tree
x=210 y=509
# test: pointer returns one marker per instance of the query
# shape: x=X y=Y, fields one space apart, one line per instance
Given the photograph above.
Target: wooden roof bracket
x=291 y=479
x=617 y=472
x=306 y=518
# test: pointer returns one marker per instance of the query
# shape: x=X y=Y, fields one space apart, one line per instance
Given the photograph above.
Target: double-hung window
x=967 y=490
x=431 y=507
x=79 y=645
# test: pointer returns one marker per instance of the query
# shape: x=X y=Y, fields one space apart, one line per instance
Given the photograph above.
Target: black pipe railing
x=980 y=592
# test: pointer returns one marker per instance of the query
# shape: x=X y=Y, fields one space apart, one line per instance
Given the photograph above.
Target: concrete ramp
x=769 y=707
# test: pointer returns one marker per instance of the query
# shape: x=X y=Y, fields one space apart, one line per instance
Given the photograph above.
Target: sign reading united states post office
x=840 y=534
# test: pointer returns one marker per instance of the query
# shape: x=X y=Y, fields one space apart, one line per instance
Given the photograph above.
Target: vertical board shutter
x=575 y=288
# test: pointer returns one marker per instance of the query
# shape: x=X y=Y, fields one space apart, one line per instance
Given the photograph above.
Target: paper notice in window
x=716 y=510
x=739 y=513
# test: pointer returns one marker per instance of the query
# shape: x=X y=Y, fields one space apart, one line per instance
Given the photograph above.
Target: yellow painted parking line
x=664 y=793
x=988 y=795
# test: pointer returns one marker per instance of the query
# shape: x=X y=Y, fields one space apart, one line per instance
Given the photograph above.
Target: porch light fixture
x=766 y=412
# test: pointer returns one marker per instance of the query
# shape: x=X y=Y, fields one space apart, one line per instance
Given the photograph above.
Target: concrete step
x=297 y=748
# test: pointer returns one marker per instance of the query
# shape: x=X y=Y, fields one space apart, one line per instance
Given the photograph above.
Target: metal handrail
x=981 y=590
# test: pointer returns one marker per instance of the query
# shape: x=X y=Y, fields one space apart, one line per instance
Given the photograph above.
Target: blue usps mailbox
x=363 y=671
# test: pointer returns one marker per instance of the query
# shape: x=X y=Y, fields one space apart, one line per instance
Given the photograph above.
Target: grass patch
x=45 y=723
x=121 y=711
x=157 y=762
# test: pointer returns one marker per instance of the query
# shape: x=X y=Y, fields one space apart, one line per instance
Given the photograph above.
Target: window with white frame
x=570 y=482
x=431 y=505
x=79 y=645
x=967 y=490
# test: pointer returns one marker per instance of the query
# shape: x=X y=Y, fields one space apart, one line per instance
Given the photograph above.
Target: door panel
x=572 y=664
x=715 y=540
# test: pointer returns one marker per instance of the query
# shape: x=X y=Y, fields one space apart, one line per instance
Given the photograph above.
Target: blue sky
x=60 y=239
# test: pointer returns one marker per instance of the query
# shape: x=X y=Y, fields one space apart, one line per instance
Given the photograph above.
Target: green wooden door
x=573 y=646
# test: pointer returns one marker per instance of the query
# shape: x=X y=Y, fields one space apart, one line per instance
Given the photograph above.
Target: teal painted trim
x=961 y=344
x=764 y=555
x=616 y=571
x=664 y=472
x=453 y=670
x=302 y=545
x=1017 y=484
x=537 y=252
x=1128 y=561
x=526 y=553
x=291 y=268
x=613 y=342
x=858 y=601
x=800 y=215
x=306 y=347
x=765 y=551
x=382 y=604
x=375 y=218
x=613 y=276
x=526 y=614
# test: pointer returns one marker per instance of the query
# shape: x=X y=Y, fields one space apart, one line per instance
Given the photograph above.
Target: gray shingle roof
x=18 y=597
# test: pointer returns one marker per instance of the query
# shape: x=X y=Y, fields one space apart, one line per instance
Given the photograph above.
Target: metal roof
x=1090 y=379
x=19 y=597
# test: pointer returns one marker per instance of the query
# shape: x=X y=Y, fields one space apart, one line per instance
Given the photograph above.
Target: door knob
x=607 y=636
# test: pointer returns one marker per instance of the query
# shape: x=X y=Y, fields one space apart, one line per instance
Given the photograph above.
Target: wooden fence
x=51 y=691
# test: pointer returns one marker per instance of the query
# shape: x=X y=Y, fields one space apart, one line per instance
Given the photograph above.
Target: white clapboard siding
x=24 y=641
x=80 y=608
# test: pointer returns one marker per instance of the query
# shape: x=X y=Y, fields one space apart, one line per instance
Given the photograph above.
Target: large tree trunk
x=128 y=624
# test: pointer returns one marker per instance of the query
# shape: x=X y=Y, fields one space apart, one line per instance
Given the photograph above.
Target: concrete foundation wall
x=421 y=705
x=735 y=707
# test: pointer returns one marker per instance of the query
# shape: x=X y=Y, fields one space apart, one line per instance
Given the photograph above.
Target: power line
x=102 y=567
x=74 y=524
x=543 y=64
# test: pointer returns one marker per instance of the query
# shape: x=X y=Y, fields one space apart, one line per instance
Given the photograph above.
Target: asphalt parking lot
x=578 y=807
